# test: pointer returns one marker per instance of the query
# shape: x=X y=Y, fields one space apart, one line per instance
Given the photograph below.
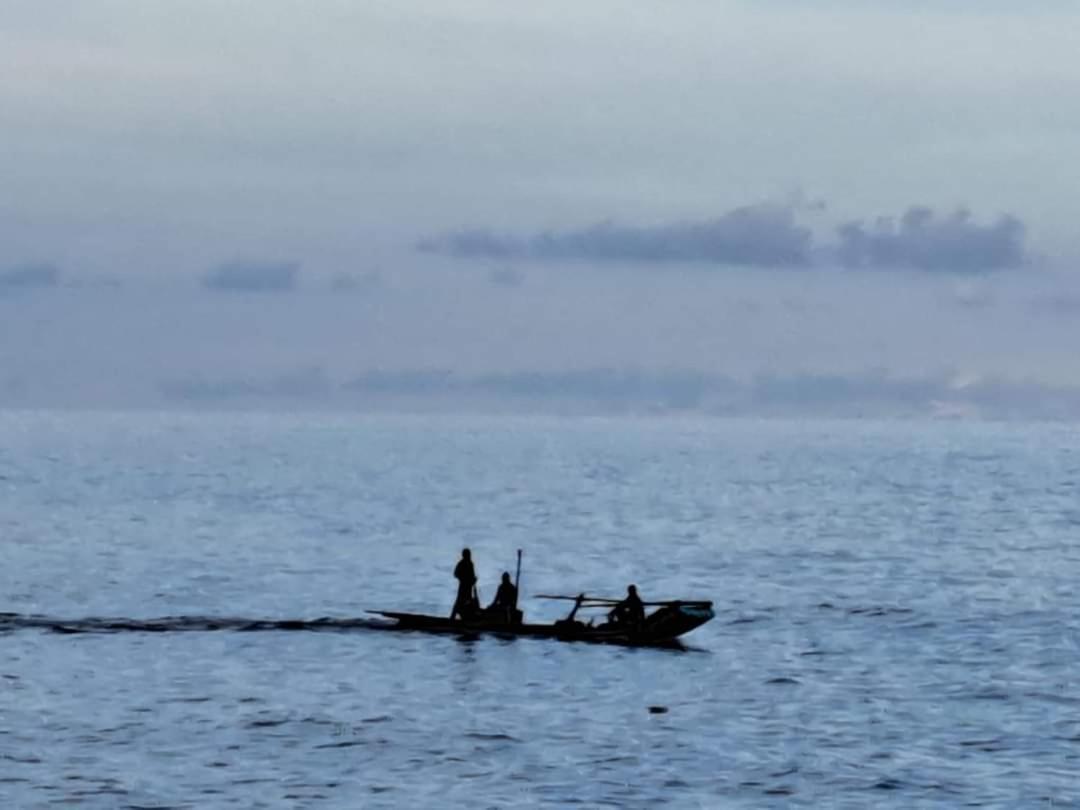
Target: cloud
x=815 y=392
x=676 y=389
x=1065 y=304
x=757 y=235
x=871 y=393
x=303 y=383
x=972 y=295
x=878 y=394
x=506 y=277
x=923 y=241
x=767 y=235
x=438 y=381
x=29 y=276
x=12 y=387
x=357 y=282
x=251 y=276
x=606 y=387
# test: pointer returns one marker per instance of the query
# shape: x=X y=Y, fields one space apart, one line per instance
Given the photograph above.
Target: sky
x=724 y=206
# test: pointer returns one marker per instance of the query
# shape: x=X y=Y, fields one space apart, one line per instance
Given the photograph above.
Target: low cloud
x=611 y=387
x=877 y=394
x=409 y=383
x=252 y=277
x=672 y=389
x=356 y=282
x=760 y=235
x=923 y=241
x=872 y=393
x=828 y=392
x=303 y=383
x=1063 y=304
x=29 y=277
x=972 y=295
x=506 y=277
x=767 y=236
x=608 y=389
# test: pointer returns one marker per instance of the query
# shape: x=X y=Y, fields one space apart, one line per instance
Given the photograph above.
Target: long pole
x=517 y=580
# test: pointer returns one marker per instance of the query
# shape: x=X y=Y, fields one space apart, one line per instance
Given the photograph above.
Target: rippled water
x=897 y=613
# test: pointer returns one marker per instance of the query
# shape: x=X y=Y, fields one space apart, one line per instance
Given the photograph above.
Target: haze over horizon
x=726 y=207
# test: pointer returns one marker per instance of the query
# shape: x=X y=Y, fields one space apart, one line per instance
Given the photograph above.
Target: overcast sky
x=243 y=192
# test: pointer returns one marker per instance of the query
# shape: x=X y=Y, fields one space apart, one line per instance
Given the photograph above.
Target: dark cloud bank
x=29 y=277
x=252 y=276
x=282 y=277
x=766 y=236
x=758 y=236
x=604 y=390
x=304 y=383
x=925 y=242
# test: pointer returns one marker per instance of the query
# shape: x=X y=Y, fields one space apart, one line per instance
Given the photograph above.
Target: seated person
x=505 y=602
x=630 y=610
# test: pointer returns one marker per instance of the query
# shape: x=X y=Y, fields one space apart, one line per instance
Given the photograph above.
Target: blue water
x=898 y=618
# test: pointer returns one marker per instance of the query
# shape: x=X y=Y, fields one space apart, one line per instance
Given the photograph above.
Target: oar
x=517 y=579
x=596 y=599
x=601 y=600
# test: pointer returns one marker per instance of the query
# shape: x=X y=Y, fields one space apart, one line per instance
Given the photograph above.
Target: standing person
x=466 y=601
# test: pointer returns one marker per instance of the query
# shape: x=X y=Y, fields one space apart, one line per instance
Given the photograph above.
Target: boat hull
x=662 y=628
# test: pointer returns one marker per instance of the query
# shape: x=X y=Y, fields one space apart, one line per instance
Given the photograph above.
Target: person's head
x=632 y=590
x=465 y=554
x=506 y=577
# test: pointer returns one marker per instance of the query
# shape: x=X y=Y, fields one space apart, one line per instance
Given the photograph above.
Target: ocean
x=898 y=619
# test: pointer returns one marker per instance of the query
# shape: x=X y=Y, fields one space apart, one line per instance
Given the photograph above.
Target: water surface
x=896 y=612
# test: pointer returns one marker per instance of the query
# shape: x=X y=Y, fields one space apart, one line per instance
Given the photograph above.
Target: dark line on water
x=176 y=624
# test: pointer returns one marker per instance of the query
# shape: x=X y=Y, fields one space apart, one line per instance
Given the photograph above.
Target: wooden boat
x=660 y=628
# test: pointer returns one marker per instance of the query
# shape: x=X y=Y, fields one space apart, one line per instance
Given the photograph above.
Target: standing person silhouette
x=466 y=602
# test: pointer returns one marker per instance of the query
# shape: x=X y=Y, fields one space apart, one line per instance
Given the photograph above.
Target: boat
x=662 y=628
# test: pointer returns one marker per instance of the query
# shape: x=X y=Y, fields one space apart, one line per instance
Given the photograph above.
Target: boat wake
x=10 y=622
